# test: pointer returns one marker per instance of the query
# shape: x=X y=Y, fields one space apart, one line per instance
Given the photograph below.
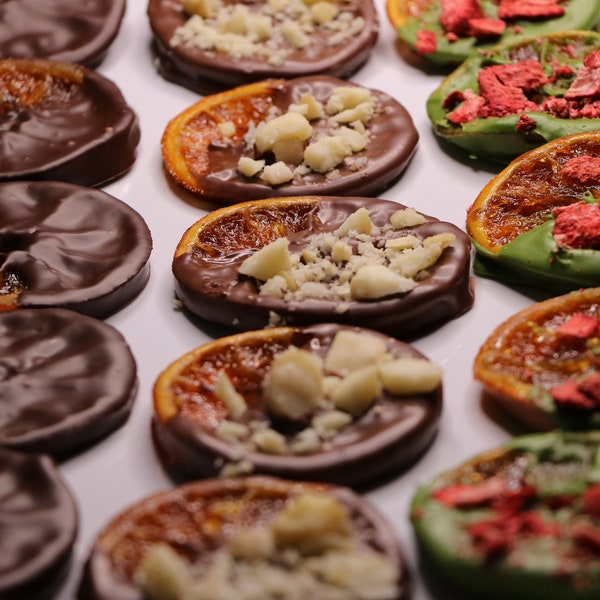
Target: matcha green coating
x=497 y=138
x=558 y=463
x=579 y=14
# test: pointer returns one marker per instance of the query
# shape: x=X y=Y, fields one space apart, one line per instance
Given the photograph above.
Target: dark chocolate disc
x=63 y=245
x=191 y=65
x=197 y=519
x=78 y=32
x=208 y=258
x=66 y=380
x=39 y=524
x=65 y=122
x=392 y=433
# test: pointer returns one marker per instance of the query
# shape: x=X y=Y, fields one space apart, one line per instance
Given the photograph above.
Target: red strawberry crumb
x=464 y=494
x=568 y=395
x=529 y=9
x=456 y=14
x=526 y=123
x=579 y=326
x=426 y=42
x=577 y=225
x=583 y=169
x=484 y=28
x=591 y=500
x=587 y=82
x=468 y=110
x=587 y=535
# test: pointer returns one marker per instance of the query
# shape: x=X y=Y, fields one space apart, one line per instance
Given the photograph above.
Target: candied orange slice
x=198 y=519
x=203 y=145
x=522 y=195
x=528 y=356
x=397 y=12
x=191 y=419
x=208 y=282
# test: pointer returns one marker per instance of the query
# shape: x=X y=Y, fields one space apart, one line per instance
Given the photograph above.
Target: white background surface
x=123 y=468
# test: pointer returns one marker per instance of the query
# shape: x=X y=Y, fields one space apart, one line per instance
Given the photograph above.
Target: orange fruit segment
x=531 y=353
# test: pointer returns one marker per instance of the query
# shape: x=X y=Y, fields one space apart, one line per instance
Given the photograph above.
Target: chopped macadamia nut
x=293 y=34
x=311 y=524
x=268 y=261
x=204 y=8
x=344 y=98
x=406 y=217
x=306 y=442
x=363 y=112
x=313 y=108
x=358 y=140
x=358 y=222
x=294 y=385
x=226 y=128
x=352 y=350
x=410 y=264
x=277 y=173
x=249 y=167
x=163 y=574
x=357 y=391
x=227 y=394
x=289 y=151
x=290 y=125
x=231 y=431
x=252 y=543
x=270 y=441
x=402 y=243
x=410 y=376
x=443 y=239
x=341 y=252
x=326 y=153
x=378 y=281
x=323 y=12
x=327 y=424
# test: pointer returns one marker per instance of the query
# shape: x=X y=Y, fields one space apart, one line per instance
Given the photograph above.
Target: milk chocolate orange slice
x=414 y=296
x=309 y=135
x=326 y=403
x=249 y=524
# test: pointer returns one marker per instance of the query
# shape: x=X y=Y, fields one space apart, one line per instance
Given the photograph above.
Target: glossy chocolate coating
x=78 y=32
x=392 y=142
x=191 y=66
x=66 y=380
x=391 y=435
x=232 y=505
x=39 y=527
x=72 y=247
x=78 y=129
x=211 y=287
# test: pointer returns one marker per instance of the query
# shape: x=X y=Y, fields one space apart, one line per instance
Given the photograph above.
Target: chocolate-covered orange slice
x=519 y=520
x=357 y=261
x=68 y=246
x=60 y=29
x=448 y=32
x=66 y=380
x=309 y=135
x=272 y=536
x=231 y=43
x=39 y=526
x=65 y=122
x=326 y=403
x=541 y=364
x=537 y=221
x=506 y=100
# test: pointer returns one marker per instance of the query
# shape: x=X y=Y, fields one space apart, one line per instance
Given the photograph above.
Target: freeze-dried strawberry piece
x=468 y=110
x=529 y=9
x=584 y=169
x=456 y=15
x=485 y=28
x=464 y=494
x=579 y=326
x=526 y=123
x=426 y=42
x=587 y=535
x=587 y=82
x=497 y=536
x=527 y=75
x=581 y=395
x=591 y=500
x=501 y=98
x=577 y=226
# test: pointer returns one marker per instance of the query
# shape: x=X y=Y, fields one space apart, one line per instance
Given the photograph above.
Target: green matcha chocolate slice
x=448 y=32
x=514 y=97
x=521 y=521
x=538 y=222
